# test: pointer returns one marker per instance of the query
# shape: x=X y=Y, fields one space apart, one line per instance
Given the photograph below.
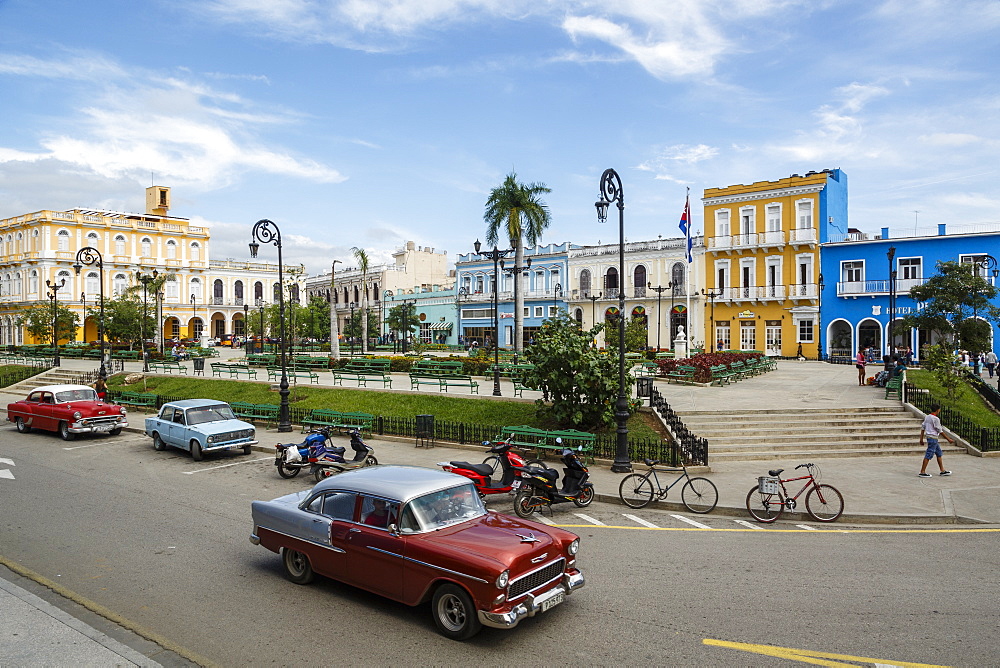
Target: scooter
x=331 y=460
x=541 y=491
x=502 y=458
x=290 y=458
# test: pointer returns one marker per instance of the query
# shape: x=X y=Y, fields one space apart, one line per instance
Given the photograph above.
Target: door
x=772 y=335
x=748 y=335
x=335 y=517
x=374 y=554
x=176 y=431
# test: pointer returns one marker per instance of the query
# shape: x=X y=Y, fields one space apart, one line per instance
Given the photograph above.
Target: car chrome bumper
x=228 y=446
x=531 y=605
x=255 y=539
x=104 y=428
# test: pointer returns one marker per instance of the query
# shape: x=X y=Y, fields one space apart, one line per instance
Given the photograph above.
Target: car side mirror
x=393 y=529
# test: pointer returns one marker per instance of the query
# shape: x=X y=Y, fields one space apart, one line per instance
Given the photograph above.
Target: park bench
x=517 y=379
x=721 y=375
x=682 y=374
x=429 y=372
x=667 y=355
x=310 y=362
x=739 y=370
x=233 y=370
x=324 y=417
x=73 y=352
x=458 y=380
x=648 y=369
x=256 y=412
x=135 y=399
x=118 y=354
x=364 y=370
x=168 y=367
x=894 y=386
x=274 y=373
x=262 y=359
x=541 y=440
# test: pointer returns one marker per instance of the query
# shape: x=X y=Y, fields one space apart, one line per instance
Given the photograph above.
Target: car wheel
x=65 y=433
x=247 y=449
x=115 y=431
x=22 y=427
x=196 y=453
x=454 y=613
x=297 y=566
x=158 y=443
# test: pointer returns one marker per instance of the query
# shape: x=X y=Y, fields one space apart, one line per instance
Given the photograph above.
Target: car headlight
x=574 y=547
x=77 y=415
x=211 y=439
x=122 y=409
x=503 y=579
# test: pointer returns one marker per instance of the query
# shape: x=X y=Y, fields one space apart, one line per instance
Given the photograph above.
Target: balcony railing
x=880 y=287
x=760 y=293
x=803 y=235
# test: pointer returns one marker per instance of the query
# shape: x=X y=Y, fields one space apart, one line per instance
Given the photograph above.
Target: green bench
x=309 y=362
x=682 y=374
x=274 y=373
x=324 y=417
x=233 y=370
x=430 y=372
x=117 y=355
x=262 y=359
x=721 y=374
x=457 y=380
x=256 y=412
x=648 y=369
x=136 y=399
x=168 y=367
x=541 y=440
x=739 y=370
x=364 y=370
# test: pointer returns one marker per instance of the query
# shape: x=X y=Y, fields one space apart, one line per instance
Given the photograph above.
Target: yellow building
x=762 y=260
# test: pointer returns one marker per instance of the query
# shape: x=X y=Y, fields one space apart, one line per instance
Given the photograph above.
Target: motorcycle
x=331 y=460
x=502 y=458
x=291 y=458
x=541 y=491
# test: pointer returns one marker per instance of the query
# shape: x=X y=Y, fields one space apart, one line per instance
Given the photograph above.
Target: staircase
x=809 y=433
x=54 y=376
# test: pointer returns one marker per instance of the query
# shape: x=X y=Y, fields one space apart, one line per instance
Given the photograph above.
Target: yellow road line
x=809 y=656
x=813 y=531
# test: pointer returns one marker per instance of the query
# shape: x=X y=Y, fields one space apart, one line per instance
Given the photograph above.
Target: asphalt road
x=162 y=541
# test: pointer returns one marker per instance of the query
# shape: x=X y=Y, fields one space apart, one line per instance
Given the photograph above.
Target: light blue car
x=200 y=426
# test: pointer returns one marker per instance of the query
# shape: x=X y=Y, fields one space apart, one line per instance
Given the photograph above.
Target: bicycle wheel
x=493 y=462
x=765 y=508
x=699 y=495
x=636 y=491
x=824 y=503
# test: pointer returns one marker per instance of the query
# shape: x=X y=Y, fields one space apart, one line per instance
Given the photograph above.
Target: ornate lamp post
x=495 y=255
x=388 y=294
x=53 y=291
x=891 y=254
x=611 y=191
x=460 y=296
x=267 y=232
x=246 y=329
x=819 y=320
x=593 y=312
x=712 y=295
x=91 y=256
x=83 y=332
x=659 y=289
x=145 y=279
x=195 y=334
x=353 y=305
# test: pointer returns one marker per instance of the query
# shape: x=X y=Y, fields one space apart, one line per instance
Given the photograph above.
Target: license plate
x=104 y=427
x=515 y=485
x=550 y=603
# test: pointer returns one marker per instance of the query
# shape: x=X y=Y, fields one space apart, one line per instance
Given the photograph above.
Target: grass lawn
x=376 y=402
x=967 y=400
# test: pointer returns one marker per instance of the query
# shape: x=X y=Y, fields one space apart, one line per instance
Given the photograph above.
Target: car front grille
x=238 y=435
x=105 y=419
x=535 y=579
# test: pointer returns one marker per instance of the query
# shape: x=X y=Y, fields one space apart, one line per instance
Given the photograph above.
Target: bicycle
x=699 y=495
x=769 y=498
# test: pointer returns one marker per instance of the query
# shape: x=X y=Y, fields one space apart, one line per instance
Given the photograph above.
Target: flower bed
x=704 y=363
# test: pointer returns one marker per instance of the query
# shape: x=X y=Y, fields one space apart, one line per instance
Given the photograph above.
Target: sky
x=369 y=123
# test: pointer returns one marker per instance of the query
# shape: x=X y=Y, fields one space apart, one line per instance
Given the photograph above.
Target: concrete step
x=896 y=408
x=804 y=455
x=727 y=431
x=817 y=445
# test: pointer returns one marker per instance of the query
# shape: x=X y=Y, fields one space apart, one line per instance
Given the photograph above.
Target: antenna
x=915 y=214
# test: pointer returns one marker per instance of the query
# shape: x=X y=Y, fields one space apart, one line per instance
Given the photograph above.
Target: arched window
x=258 y=291
x=196 y=290
x=196 y=251
x=294 y=293
x=120 y=245
x=17 y=286
x=356 y=293
x=33 y=282
x=120 y=283
x=68 y=287
x=639 y=278
x=578 y=314
x=585 y=283
x=63 y=240
x=34 y=241
x=93 y=240
x=611 y=283
x=677 y=278
x=217 y=292
x=171 y=250
x=171 y=290
x=20 y=243
x=238 y=292
x=93 y=283
x=275 y=293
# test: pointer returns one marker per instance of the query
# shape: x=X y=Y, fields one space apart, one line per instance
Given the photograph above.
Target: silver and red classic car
x=68 y=409
x=416 y=535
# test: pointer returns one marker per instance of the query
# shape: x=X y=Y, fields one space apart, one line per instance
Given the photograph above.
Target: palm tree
x=334 y=325
x=362 y=258
x=515 y=210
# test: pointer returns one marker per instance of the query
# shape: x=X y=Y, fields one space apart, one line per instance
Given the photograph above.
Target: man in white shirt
x=931 y=428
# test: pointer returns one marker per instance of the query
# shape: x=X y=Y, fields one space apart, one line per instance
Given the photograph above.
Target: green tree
x=362 y=258
x=953 y=301
x=515 y=211
x=317 y=318
x=154 y=295
x=403 y=319
x=37 y=320
x=579 y=384
x=943 y=365
x=356 y=325
x=636 y=332
x=125 y=320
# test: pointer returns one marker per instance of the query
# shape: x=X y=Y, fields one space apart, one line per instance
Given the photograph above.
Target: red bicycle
x=769 y=498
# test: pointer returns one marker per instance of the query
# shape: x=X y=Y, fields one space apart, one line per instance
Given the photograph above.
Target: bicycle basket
x=768 y=485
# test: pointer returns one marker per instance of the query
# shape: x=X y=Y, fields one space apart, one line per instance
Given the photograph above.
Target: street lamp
x=352 y=329
x=54 y=290
x=891 y=254
x=556 y=294
x=388 y=331
x=659 y=289
x=83 y=301
x=92 y=256
x=712 y=295
x=145 y=279
x=611 y=191
x=495 y=255
x=515 y=273
x=246 y=329
x=593 y=312
x=819 y=320
x=263 y=349
x=460 y=296
x=195 y=334
x=266 y=231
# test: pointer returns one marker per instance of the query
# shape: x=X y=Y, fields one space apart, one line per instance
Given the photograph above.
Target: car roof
x=194 y=403
x=61 y=388
x=394 y=482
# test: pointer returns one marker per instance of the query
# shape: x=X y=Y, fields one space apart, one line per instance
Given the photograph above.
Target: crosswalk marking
x=806 y=527
x=588 y=518
x=7 y=473
x=749 y=525
x=641 y=521
x=691 y=522
x=538 y=517
x=223 y=466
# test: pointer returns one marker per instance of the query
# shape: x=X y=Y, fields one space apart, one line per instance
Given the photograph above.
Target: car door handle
x=354 y=531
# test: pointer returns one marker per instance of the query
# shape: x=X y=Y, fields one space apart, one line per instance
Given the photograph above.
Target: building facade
x=762 y=260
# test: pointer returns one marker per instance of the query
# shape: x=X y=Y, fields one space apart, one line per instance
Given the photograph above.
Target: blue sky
x=369 y=123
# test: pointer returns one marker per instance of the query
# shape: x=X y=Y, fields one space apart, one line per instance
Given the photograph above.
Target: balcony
x=750 y=240
x=806 y=235
x=881 y=287
x=769 y=293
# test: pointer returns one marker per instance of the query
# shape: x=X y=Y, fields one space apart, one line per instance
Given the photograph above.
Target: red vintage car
x=68 y=409
x=419 y=535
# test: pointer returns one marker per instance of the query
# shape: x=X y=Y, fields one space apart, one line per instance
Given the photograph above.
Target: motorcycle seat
x=481 y=469
x=336 y=451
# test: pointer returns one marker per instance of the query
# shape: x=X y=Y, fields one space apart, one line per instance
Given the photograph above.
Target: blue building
x=543 y=283
x=854 y=305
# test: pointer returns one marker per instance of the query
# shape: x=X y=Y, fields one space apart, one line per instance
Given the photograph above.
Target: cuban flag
x=686 y=225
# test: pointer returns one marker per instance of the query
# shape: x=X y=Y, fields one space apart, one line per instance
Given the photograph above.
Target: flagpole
x=687 y=254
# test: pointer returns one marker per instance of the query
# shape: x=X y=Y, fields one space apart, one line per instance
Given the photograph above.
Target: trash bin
x=199 y=366
x=643 y=386
x=424 y=430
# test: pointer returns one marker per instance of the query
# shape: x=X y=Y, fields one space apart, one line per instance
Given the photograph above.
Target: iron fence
x=687 y=445
x=986 y=439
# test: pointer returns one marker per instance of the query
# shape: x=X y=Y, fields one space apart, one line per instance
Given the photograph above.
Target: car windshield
x=83 y=394
x=441 y=509
x=210 y=414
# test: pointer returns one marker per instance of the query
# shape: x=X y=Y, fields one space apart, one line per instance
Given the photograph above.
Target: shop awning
x=440 y=326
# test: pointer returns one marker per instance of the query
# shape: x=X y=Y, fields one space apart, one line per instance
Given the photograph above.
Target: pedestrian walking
x=991 y=362
x=931 y=428
x=860 y=362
